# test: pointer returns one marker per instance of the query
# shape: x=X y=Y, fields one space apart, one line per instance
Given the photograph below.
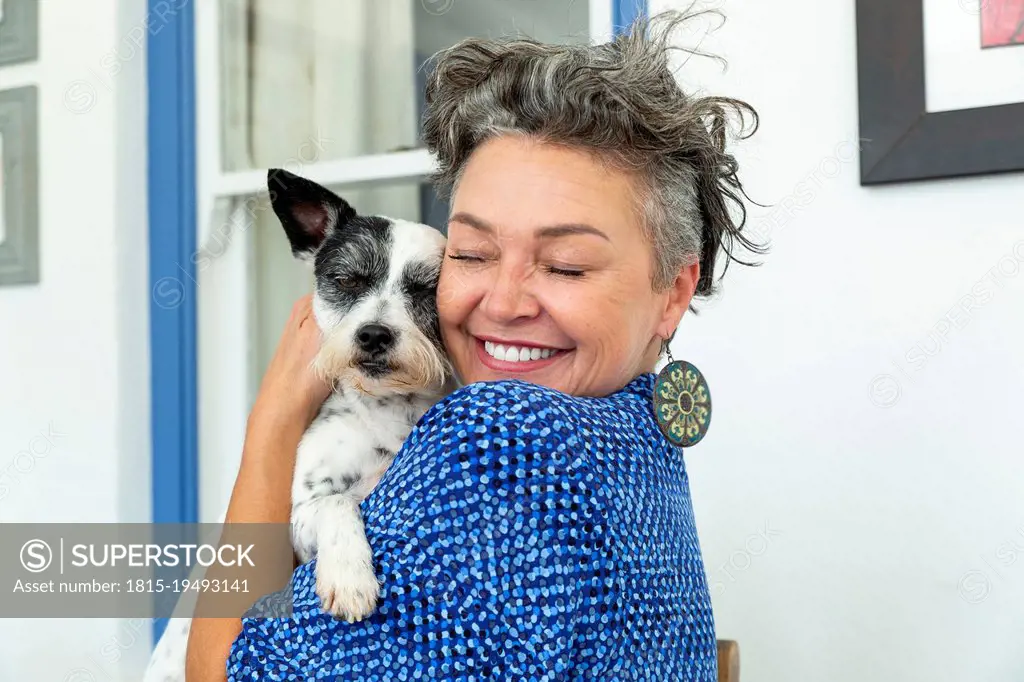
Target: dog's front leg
x=345 y=580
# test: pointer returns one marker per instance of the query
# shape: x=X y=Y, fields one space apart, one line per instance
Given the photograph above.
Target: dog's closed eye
x=352 y=282
x=421 y=289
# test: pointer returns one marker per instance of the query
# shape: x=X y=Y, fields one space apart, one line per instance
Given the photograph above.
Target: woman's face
x=546 y=276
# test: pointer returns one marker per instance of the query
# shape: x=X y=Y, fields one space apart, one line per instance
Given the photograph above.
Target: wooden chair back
x=728 y=661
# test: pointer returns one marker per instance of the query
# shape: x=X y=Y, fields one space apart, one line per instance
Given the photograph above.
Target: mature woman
x=536 y=525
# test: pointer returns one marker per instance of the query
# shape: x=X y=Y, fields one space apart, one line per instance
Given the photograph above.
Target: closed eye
x=421 y=289
x=565 y=272
x=351 y=282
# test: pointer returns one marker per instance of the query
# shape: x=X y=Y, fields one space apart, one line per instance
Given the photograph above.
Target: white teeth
x=516 y=353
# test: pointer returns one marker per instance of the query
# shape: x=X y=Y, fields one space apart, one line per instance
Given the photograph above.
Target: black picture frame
x=19 y=31
x=901 y=140
x=19 y=161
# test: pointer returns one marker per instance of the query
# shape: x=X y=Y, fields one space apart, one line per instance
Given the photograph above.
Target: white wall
x=73 y=352
x=868 y=383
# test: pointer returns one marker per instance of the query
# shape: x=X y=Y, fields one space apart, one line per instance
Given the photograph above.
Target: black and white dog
x=375 y=303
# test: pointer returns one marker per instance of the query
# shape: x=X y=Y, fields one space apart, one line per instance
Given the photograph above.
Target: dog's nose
x=374 y=338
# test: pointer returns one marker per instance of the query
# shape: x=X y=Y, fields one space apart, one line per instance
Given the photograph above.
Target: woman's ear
x=680 y=293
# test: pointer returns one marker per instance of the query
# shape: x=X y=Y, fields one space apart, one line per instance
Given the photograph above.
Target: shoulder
x=505 y=391
x=590 y=426
x=507 y=405
x=502 y=425
x=496 y=452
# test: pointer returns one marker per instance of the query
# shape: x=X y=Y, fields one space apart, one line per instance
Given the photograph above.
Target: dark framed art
x=901 y=139
x=19 y=31
x=19 y=183
x=1002 y=22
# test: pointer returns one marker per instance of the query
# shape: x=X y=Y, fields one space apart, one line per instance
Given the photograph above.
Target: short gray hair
x=618 y=100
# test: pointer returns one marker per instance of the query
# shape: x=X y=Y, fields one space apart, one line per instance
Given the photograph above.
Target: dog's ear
x=308 y=211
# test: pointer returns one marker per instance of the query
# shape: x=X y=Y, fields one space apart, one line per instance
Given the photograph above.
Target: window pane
x=313 y=80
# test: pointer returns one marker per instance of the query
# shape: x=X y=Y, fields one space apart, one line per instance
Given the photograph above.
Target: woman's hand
x=291 y=394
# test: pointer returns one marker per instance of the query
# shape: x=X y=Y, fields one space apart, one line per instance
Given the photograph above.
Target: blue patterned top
x=520 y=534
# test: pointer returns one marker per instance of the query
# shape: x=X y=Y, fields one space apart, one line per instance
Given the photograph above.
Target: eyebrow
x=559 y=230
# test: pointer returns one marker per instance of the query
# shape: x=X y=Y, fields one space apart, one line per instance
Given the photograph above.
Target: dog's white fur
x=350 y=444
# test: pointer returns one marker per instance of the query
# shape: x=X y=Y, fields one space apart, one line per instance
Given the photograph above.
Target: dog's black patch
x=353 y=263
x=419 y=285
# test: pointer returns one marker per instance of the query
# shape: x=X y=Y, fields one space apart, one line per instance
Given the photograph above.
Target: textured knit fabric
x=520 y=534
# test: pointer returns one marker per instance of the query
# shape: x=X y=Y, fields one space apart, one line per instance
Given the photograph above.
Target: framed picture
x=1002 y=22
x=19 y=187
x=902 y=140
x=19 y=31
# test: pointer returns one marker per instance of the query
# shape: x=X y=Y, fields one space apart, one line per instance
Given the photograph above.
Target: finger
x=308 y=318
x=302 y=306
x=302 y=310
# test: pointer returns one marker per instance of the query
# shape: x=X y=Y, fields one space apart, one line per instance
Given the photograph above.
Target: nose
x=374 y=339
x=510 y=297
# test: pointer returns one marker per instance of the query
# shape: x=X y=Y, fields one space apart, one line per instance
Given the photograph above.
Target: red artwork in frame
x=1002 y=22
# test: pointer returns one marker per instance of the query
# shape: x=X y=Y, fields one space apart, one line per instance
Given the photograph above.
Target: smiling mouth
x=519 y=357
x=510 y=353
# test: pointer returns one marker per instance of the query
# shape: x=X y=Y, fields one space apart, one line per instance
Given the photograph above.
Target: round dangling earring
x=682 y=402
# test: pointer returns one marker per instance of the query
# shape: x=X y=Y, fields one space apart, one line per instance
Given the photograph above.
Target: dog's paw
x=346 y=585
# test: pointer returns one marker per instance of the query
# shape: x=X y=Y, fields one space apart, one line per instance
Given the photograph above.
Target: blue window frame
x=172 y=245
x=624 y=12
